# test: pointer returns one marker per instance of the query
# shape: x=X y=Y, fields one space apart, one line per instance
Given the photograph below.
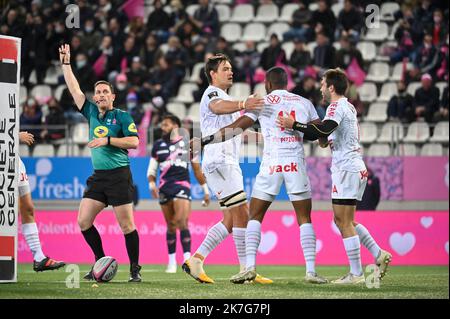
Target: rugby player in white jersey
x=283 y=161
x=26 y=209
x=220 y=165
x=348 y=171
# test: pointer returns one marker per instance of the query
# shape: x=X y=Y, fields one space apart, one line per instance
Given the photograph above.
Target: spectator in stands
x=206 y=19
x=324 y=21
x=300 y=24
x=273 y=54
x=162 y=84
x=135 y=108
x=84 y=73
x=246 y=64
x=353 y=97
x=372 y=192
x=137 y=74
x=91 y=37
x=324 y=54
x=197 y=53
x=75 y=43
x=178 y=16
x=426 y=56
x=130 y=50
x=159 y=22
x=121 y=89
x=54 y=117
x=307 y=89
x=35 y=57
x=223 y=47
x=300 y=58
x=426 y=99
x=442 y=73
x=56 y=34
x=440 y=28
x=442 y=114
x=151 y=51
x=177 y=57
x=31 y=116
x=116 y=34
x=350 y=22
x=202 y=81
x=102 y=58
x=347 y=53
x=405 y=44
x=138 y=29
x=187 y=33
x=12 y=24
x=400 y=106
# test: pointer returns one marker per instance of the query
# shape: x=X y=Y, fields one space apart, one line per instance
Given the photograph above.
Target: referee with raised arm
x=111 y=133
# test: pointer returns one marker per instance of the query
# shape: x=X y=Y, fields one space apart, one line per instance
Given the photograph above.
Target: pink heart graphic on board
x=426 y=221
x=268 y=242
x=288 y=220
x=402 y=244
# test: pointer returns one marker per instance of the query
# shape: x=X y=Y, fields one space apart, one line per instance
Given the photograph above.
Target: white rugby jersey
x=280 y=142
x=346 y=151
x=217 y=154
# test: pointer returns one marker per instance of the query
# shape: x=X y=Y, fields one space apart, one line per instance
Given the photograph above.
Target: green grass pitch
x=400 y=282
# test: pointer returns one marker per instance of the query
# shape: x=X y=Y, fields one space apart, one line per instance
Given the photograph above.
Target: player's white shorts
x=24 y=185
x=272 y=174
x=225 y=180
x=348 y=185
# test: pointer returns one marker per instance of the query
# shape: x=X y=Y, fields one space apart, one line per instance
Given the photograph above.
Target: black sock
x=185 y=235
x=94 y=240
x=171 y=239
x=132 y=243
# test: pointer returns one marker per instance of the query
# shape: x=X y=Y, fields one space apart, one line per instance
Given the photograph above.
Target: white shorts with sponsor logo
x=225 y=180
x=24 y=185
x=291 y=171
x=348 y=185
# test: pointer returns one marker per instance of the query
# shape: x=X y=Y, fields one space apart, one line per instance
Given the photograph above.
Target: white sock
x=353 y=249
x=214 y=237
x=239 y=241
x=31 y=234
x=173 y=259
x=367 y=240
x=186 y=255
x=308 y=241
x=252 y=240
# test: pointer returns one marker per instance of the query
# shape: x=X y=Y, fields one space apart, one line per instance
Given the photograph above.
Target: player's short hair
x=277 y=76
x=213 y=64
x=173 y=118
x=104 y=82
x=338 y=79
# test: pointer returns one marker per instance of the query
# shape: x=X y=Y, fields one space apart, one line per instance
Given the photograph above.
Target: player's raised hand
x=254 y=102
x=286 y=122
x=26 y=138
x=64 y=54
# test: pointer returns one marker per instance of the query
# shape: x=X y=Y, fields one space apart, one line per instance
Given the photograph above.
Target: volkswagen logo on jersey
x=101 y=131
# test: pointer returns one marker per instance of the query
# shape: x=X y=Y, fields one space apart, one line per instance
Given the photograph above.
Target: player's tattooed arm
x=228 y=132
x=323 y=129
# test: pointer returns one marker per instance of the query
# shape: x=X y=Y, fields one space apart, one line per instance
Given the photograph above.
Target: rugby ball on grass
x=105 y=269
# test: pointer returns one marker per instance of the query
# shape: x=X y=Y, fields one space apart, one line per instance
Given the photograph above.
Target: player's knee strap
x=345 y=202
x=233 y=200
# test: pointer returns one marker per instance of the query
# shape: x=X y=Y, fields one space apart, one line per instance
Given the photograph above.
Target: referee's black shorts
x=112 y=186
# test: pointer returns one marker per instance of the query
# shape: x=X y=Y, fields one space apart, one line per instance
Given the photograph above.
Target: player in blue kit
x=171 y=155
